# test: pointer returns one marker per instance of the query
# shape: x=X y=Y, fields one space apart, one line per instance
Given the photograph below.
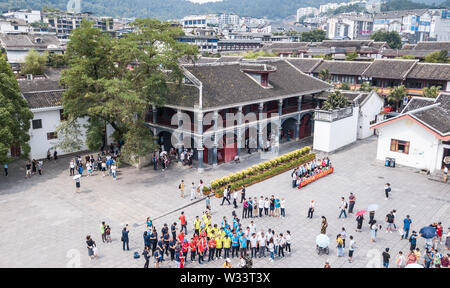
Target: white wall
x=330 y=136
x=367 y=113
x=423 y=150
x=38 y=137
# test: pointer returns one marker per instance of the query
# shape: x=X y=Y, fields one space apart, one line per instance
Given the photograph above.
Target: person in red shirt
x=182 y=259
x=185 y=248
x=212 y=248
x=439 y=230
x=193 y=246
x=182 y=219
x=202 y=234
x=200 y=248
x=180 y=237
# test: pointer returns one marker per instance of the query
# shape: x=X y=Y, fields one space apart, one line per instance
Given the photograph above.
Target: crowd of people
x=309 y=169
x=211 y=242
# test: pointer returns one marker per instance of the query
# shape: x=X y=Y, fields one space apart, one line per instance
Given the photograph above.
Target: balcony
x=334 y=115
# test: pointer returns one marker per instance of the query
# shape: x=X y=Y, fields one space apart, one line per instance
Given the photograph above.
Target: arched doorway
x=288 y=130
x=305 y=126
x=165 y=140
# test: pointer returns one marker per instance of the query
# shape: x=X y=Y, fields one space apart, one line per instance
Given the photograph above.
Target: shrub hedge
x=261 y=171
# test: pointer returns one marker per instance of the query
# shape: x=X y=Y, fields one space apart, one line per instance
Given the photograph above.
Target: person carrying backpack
x=343 y=208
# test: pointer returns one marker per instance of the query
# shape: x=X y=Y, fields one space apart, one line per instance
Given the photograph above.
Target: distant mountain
x=171 y=9
x=175 y=9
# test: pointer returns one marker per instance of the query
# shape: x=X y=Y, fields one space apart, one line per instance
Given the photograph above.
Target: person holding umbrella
x=360 y=219
x=428 y=232
x=77 y=182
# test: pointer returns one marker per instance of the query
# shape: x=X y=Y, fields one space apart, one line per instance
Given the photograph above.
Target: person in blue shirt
x=146 y=239
x=234 y=245
x=406 y=226
x=125 y=239
x=6 y=169
x=243 y=245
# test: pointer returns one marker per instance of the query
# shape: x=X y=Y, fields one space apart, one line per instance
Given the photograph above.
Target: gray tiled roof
x=436 y=116
x=225 y=85
x=44 y=99
x=389 y=69
x=430 y=71
x=433 y=45
x=343 y=67
x=22 y=41
x=305 y=65
x=416 y=103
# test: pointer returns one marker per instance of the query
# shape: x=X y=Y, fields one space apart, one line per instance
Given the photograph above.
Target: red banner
x=315 y=177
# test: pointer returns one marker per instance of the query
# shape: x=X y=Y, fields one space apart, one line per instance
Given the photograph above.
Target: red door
x=305 y=126
x=205 y=155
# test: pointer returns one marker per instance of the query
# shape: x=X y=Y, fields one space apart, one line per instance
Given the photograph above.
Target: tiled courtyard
x=44 y=222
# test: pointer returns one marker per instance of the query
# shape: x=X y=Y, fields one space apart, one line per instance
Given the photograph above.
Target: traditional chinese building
x=222 y=109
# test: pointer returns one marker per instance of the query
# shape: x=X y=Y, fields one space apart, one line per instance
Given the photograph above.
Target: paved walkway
x=45 y=221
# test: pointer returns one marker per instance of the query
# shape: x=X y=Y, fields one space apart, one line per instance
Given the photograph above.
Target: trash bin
x=392 y=160
x=387 y=163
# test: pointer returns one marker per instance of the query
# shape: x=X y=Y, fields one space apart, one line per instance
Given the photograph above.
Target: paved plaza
x=44 y=222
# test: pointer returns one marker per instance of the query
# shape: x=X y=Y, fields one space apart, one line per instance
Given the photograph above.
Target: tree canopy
x=15 y=115
x=316 y=35
x=437 y=57
x=35 y=63
x=392 y=38
x=114 y=81
x=335 y=100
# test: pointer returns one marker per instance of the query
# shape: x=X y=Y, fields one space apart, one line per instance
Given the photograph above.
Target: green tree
x=396 y=95
x=114 y=81
x=324 y=74
x=35 y=63
x=69 y=136
x=365 y=86
x=437 y=57
x=15 y=115
x=345 y=86
x=316 y=35
x=392 y=38
x=351 y=56
x=334 y=101
x=431 y=92
x=406 y=57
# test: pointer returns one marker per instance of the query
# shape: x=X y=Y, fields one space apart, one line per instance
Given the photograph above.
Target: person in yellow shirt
x=209 y=231
x=181 y=187
x=219 y=246
x=197 y=224
x=226 y=246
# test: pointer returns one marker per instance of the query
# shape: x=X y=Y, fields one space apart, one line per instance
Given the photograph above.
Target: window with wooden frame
x=400 y=146
x=52 y=135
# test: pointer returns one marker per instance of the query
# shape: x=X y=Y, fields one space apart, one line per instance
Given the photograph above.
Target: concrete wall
x=330 y=136
x=38 y=137
x=423 y=150
x=367 y=113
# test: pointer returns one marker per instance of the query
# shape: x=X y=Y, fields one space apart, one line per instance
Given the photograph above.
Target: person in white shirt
x=351 y=248
x=235 y=196
x=271 y=248
x=262 y=245
x=311 y=209
x=283 y=207
x=261 y=206
x=193 y=191
x=288 y=241
x=252 y=227
x=225 y=197
x=72 y=168
x=266 y=206
x=282 y=242
x=113 y=171
x=253 y=245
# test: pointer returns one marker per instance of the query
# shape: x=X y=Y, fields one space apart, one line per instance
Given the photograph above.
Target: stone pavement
x=44 y=222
